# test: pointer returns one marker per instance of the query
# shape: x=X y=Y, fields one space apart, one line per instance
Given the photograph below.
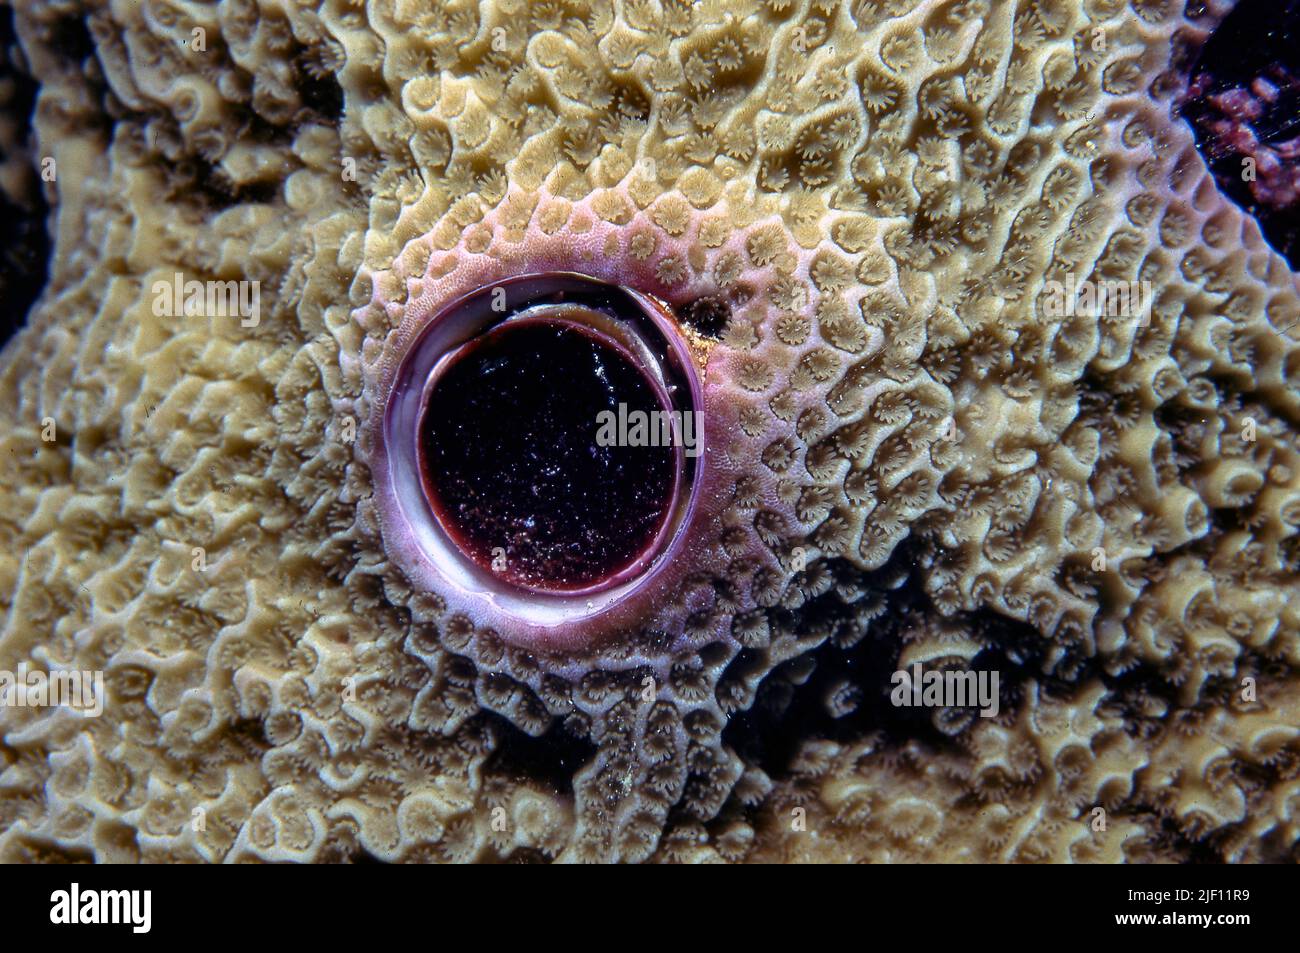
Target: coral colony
x=631 y=430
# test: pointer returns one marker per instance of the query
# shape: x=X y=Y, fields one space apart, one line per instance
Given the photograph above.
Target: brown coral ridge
x=924 y=464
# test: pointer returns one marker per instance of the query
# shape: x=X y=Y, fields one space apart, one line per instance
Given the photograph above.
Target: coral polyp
x=510 y=469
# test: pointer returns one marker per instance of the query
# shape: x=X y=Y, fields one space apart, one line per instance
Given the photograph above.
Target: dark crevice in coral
x=197 y=178
x=250 y=734
x=1273 y=848
x=320 y=92
x=1141 y=698
x=707 y=316
x=632 y=103
x=1289 y=552
x=1222 y=521
x=70 y=36
x=71 y=39
x=1172 y=842
x=552 y=758
x=788 y=711
x=24 y=241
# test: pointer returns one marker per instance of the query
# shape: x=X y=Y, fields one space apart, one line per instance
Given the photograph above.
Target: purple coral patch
x=1243 y=103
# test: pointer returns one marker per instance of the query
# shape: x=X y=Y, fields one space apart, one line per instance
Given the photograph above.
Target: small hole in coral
x=707 y=316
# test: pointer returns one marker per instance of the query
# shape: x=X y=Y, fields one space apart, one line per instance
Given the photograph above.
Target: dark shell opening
x=514 y=462
x=543 y=437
